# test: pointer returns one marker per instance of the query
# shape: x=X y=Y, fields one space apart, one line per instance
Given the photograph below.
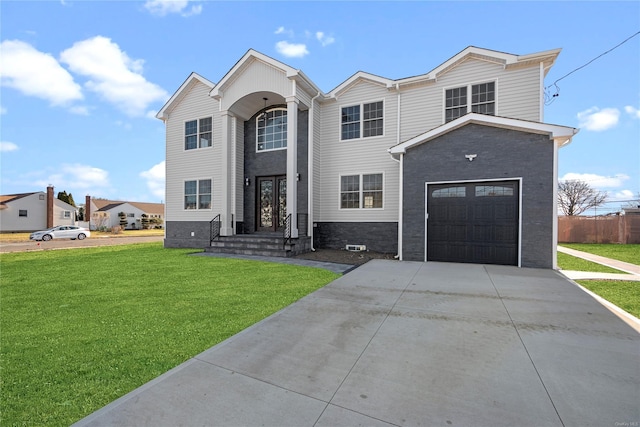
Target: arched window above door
x=271 y=130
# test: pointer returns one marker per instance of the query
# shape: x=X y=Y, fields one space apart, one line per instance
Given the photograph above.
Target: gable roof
x=150 y=208
x=8 y=198
x=507 y=60
x=184 y=88
x=249 y=58
x=560 y=134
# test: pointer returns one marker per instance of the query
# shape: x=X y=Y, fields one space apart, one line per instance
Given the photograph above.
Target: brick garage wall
x=502 y=154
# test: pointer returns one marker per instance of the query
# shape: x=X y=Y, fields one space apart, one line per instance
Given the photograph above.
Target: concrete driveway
x=410 y=344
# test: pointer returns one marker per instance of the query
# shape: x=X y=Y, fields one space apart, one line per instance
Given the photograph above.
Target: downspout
x=310 y=171
x=401 y=181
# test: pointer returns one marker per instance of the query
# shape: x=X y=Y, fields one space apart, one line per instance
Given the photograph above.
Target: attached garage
x=473 y=222
x=481 y=189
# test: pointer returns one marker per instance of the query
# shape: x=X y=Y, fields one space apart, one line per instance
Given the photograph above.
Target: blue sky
x=81 y=80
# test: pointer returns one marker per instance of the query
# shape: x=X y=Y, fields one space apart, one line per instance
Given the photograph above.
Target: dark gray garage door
x=473 y=222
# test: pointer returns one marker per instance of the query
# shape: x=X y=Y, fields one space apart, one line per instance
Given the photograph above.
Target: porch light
x=247 y=181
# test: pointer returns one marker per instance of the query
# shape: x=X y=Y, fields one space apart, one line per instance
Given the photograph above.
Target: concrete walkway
x=632 y=271
x=410 y=344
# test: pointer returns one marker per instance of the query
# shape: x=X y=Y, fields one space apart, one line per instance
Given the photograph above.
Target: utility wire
x=550 y=99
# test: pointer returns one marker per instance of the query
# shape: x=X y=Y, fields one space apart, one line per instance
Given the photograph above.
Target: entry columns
x=227 y=185
x=292 y=163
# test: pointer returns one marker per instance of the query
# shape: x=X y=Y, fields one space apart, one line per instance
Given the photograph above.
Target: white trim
x=163 y=114
x=561 y=134
x=554 y=214
x=469 y=104
x=426 y=201
x=400 y=207
x=360 y=191
x=197 y=147
x=197 y=180
x=285 y=139
x=361 y=105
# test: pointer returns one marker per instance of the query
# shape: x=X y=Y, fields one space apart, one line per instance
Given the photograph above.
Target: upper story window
x=197 y=194
x=483 y=100
x=361 y=191
x=66 y=214
x=197 y=134
x=271 y=130
x=22 y=212
x=362 y=120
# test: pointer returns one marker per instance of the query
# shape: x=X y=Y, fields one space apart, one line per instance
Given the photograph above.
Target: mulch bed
x=342 y=256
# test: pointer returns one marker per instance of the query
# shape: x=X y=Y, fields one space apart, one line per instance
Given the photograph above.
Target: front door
x=272 y=203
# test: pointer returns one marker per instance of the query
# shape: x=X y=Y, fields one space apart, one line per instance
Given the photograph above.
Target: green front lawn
x=83 y=327
x=627 y=253
x=568 y=262
x=624 y=294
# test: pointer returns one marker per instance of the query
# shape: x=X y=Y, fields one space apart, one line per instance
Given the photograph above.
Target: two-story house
x=453 y=165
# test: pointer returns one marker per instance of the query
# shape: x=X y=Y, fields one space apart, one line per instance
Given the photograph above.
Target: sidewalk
x=632 y=270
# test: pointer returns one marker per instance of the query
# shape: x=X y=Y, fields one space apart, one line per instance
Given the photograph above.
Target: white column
x=292 y=163
x=226 y=186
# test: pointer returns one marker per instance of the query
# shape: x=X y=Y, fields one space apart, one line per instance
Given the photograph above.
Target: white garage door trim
x=470 y=181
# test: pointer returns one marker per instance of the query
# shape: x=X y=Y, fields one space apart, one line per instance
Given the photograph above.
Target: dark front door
x=272 y=203
x=474 y=222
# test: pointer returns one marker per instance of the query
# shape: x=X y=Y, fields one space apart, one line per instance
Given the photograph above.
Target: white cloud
x=35 y=73
x=283 y=30
x=113 y=75
x=598 y=120
x=3 y=110
x=6 y=146
x=165 y=7
x=324 y=39
x=622 y=195
x=80 y=110
x=76 y=178
x=292 y=50
x=634 y=112
x=597 y=181
x=155 y=179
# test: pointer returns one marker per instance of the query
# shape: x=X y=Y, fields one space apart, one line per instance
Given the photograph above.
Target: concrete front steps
x=260 y=244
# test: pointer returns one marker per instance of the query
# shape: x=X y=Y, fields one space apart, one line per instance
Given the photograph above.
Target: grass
x=627 y=253
x=83 y=327
x=624 y=294
x=568 y=262
x=24 y=237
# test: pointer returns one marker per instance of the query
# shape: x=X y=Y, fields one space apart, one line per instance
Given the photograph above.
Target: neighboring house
x=105 y=213
x=34 y=211
x=452 y=165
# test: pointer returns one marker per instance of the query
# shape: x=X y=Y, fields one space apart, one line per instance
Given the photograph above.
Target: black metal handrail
x=287 y=232
x=214 y=228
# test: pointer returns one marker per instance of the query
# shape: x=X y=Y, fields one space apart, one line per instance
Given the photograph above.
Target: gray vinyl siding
x=517 y=95
x=201 y=163
x=358 y=156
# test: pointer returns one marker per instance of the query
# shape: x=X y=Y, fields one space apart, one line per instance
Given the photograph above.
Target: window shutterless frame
x=198 y=194
x=360 y=191
x=271 y=130
x=477 y=97
x=198 y=133
x=359 y=121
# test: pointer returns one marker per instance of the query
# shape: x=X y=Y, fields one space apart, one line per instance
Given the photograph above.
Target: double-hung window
x=457 y=102
x=271 y=130
x=197 y=133
x=361 y=191
x=364 y=120
x=197 y=194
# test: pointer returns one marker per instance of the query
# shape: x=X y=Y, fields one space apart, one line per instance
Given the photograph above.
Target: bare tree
x=575 y=197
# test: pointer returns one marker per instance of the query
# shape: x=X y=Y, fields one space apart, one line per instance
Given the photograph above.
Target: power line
x=550 y=98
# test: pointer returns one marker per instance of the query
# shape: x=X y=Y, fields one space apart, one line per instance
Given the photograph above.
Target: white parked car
x=61 y=232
